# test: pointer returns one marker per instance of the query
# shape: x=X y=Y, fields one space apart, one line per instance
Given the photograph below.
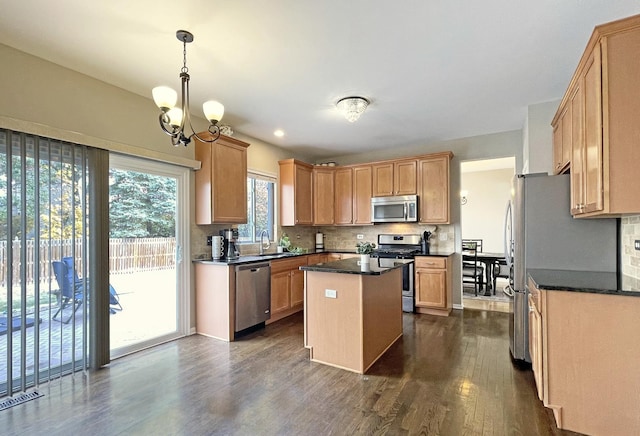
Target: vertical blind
x=48 y=259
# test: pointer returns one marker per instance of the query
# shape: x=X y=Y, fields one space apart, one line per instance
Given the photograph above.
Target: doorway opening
x=148 y=230
x=485 y=187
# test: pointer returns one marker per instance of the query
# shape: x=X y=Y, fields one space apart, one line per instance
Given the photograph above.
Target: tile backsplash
x=630 y=256
x=335 y=237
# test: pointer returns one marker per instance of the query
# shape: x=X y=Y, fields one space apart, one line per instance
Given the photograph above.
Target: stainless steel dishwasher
x=253 y=294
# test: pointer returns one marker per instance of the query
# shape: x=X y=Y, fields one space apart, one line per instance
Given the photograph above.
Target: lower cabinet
x=433 y=285
x=287 y=287
x=585 y=354
x=535 y=339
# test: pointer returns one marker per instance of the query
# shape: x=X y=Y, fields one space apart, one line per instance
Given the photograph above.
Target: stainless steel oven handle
x=508 y=290
x=405 y=211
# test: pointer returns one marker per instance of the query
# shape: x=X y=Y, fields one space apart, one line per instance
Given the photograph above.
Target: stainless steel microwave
x=396 y=209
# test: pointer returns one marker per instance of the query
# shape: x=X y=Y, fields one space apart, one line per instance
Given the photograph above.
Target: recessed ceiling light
x=279 y=133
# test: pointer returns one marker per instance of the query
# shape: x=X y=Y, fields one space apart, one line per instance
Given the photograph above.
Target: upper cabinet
x=362 y=193
x=353 y=195
x=221 y=182
x=296 y=205
x=562 y=145
x=323 y=195
x=395 y=178
x=342 y=195
x=433 y=188
x=604 y=101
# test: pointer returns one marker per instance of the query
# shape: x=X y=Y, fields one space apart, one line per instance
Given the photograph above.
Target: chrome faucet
x=262 y=247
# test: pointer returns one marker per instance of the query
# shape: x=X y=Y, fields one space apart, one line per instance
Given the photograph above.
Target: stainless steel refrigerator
x=541 y=233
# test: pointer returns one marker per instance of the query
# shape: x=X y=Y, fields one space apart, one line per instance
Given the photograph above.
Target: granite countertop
x=352 y=266
x=265 y=257
x=581 y=281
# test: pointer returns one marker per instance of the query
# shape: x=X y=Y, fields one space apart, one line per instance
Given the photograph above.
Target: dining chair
x=472 y=269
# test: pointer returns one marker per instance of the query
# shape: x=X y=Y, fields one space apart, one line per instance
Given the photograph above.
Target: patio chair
x=70 y=293
x=114 y=298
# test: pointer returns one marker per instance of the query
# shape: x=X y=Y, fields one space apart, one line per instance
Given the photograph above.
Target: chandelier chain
x=184 y=68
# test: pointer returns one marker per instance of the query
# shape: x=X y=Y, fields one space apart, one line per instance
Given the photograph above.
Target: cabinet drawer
x=287 y=264
x=535 y=295
x=431 y=262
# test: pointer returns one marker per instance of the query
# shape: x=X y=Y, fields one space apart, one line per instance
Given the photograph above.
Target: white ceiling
x=434 y=70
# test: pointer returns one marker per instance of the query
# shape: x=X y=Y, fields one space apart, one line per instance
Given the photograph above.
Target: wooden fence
x=125 y=255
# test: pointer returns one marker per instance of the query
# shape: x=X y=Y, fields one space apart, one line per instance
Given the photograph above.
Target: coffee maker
x=229 y=250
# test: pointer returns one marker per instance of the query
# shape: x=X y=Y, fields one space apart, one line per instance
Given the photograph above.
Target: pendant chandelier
x=173 y=119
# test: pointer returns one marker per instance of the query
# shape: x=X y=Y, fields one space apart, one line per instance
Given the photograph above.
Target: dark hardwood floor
x=446 y=376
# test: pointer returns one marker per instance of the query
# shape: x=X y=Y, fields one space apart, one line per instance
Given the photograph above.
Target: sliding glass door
x=148 y=276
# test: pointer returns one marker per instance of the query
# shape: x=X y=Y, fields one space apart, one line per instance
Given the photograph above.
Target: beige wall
x=483 y=214
x=538 y=138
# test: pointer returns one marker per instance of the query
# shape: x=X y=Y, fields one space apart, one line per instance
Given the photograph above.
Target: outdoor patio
x=148 y=300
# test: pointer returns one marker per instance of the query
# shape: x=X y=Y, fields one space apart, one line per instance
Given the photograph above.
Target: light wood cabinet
x=585 y=358
x=608 y=108
x=535 y=340
x=221 y=182
x=323 y=196
x=433 y=192
x=562 y=144
x=344 y=198
x=296 y=193
x=353 y=195
x=362 y=193
x=395 y=178
x=287 y=287
x=313 y=259
x=433 y=293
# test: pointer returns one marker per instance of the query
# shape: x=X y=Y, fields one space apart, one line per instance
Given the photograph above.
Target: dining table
x=489 y=260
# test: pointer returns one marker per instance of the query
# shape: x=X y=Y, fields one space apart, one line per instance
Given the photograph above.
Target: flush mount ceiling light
x=174 y=119
x=352 y=107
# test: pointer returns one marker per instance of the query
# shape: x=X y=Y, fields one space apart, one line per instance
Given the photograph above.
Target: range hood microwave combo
x=394 y=209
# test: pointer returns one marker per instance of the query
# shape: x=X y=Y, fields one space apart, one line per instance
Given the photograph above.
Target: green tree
x=141 y=205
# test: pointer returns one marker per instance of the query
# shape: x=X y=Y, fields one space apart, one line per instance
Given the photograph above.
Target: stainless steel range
x=399 y=246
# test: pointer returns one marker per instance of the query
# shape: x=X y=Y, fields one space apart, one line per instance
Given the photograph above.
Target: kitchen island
x=352 y=312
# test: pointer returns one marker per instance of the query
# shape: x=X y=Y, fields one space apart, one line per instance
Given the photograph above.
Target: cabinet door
x=433 y=200
x=431 y=288
x=593 y=177
x=362 y=192
x=382 y=179
x=567 y=138
x=535 y=346
x=557 y=147
x=294 y=180
x=221 y=182
x=405 y=177
x=323 y=196
x=280 y=294
x=577 y=148
x=297 y=288
x=303 y=188
x=344 y=200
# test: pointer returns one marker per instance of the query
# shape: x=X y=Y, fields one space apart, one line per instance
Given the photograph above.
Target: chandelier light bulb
x=175 y=117
x=213 y=111
x=164 y=97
